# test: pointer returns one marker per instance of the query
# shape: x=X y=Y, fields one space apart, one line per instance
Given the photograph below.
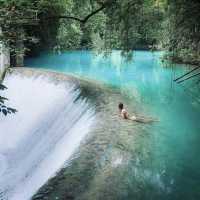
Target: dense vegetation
x=103 y=25
x=183 y=30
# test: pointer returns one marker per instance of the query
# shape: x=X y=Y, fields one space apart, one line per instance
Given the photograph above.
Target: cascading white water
x=44 y=133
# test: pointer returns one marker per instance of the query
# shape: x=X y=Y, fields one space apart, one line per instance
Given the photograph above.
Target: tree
x=113 y=24
x=182 y=28
x=103 y=24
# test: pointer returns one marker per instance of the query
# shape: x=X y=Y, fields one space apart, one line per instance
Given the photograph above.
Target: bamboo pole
x=186 y=73
x=188 y=78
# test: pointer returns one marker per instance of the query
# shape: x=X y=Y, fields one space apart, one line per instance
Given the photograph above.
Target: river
x=162 y=160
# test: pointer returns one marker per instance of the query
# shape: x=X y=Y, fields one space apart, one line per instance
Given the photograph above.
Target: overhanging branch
x=85 y=19
x=81 y=20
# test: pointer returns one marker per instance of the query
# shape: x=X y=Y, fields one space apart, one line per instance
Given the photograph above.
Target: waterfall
x=45 y=132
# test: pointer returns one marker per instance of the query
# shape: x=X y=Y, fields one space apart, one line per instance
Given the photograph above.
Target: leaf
x=3 y=98
x=3 y=87
x=12 y=110
x=4 y=112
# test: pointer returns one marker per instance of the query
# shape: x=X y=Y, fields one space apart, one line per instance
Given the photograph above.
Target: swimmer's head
x=120 y=106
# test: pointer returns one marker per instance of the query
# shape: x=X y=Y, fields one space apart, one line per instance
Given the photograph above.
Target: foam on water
x=45 y=132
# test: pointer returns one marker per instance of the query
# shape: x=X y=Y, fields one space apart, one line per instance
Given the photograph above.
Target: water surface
x=165 y=162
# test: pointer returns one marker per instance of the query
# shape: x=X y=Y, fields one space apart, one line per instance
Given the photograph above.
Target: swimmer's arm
x=143 y=119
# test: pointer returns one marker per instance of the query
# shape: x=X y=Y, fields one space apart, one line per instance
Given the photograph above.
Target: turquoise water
x=173 y=143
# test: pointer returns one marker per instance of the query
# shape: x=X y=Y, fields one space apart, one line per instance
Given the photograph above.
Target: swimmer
x=125 y=115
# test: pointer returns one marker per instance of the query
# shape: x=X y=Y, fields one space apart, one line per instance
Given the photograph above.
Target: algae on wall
x=4 y=58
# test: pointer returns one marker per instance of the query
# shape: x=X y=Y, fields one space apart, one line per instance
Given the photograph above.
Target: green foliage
x=182 y=29
x=122 y=25
x=3 y=108
x=29 y=22
x=125 y=25
x=135 y=24
x=69 y=36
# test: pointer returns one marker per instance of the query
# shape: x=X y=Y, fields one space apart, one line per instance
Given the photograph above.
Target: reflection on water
x=123 y=160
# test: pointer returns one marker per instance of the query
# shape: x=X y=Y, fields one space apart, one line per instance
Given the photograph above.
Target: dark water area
x=123 y=160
